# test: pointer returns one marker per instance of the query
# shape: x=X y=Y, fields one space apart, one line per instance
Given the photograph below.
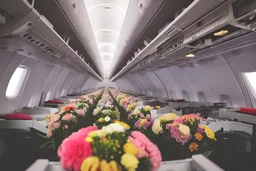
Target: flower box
x=196 y=163
x=24 y=125
x=232 y=114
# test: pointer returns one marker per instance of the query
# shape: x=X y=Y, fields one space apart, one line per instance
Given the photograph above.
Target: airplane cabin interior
x=127 y=85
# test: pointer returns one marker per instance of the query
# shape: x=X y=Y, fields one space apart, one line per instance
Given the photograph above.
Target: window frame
x=22 y=83
x=248 y=83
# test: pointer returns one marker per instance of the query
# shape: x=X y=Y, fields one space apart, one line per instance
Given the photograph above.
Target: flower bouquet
x=106 y=117
x=113 y=148
x=184 y=135
x=140 y=118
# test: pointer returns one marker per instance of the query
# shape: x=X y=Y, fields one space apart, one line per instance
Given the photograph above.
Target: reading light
x=191 y=55
x=221 y=33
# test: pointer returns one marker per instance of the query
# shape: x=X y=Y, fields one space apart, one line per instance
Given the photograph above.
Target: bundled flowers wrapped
x=17 y=116
x=113 y=147
x=185 y=134
x=246 y=110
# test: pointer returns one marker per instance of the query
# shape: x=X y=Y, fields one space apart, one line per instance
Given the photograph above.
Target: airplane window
x=250 y=78
x=16 y=82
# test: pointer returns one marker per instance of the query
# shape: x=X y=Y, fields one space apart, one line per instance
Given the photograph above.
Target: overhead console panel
x=75 y=11
x=30 y=29
x=202 y=25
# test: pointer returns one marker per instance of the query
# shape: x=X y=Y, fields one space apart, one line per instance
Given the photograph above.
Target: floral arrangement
x=113 y=147
x=17 y=116
x=246 y=110
x=105 y=112
x=69 y=119
x=187 y=132
x=140 y=119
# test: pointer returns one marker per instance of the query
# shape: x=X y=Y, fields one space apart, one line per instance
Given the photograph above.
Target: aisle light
x=191 y=55
x=221 y=33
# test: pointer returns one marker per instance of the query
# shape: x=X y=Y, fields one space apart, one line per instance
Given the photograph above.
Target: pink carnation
x=68 y=117
x=75 y=149
x=177 y=135
x=144 y=145
x=80 y=112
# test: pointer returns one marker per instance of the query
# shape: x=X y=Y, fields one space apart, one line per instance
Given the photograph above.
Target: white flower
x=96 y=111
x=107 y=118
x=114 y=127
x=136 y=111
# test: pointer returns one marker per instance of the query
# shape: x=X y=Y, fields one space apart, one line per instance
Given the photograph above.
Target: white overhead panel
x=107 y=18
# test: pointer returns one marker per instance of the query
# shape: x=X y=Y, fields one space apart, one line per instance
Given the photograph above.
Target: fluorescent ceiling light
x=106 y=5
x=107 y=44
x=191 y=55
x=107 y=19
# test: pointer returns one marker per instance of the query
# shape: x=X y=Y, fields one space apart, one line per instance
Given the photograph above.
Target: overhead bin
x=199 y=26
x=35 y=30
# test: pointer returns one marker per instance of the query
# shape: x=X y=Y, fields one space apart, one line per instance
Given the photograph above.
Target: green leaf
x=45 y=144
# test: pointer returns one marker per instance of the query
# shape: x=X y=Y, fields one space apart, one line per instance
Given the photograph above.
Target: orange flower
x=193 y=147
x=198 y=136
x=67 y=108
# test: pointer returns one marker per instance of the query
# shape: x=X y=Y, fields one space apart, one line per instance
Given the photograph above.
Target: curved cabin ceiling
x=107 y=18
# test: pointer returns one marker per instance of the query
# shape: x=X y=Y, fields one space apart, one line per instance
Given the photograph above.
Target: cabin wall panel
x=221 y=81
x=160 y=90
x=39 y=73
x=182 y=82
x=197 y=81
x=78 y=84
x=241 y=61
x=136 y=88
x=151 y=88
x=91 y=83
x=73 y=83
x=140 y=83
x=64 y=86
x=9 y=105
x=127 y=85
x=50 y=84
x=6 y=58
x=170 y=84
x=60 y=82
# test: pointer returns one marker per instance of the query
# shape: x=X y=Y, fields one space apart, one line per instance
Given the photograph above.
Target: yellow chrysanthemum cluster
x=129 y=159
x=95 y=164
x=157 y=126
x=131 y=106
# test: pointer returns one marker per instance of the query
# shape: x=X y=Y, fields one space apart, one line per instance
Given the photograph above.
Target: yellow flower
x=136 y=111
x=148 y=108
x=169 y=117
x=89 y=139
x=130 y=149
x=93 y=133
x=193 y=147
x=100 y=120
x=129 y=161
x=113 y=165
x=210 y=134
x=184 y=129
x=123 y=124
x=142 y=122
x=158 y=107
x=90 y=164
x=157 y=127
x=198 y=136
